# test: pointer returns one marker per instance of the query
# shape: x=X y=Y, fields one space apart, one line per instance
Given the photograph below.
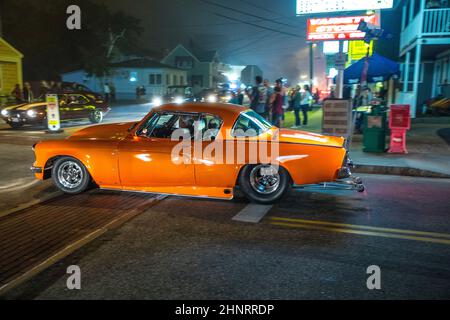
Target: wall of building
x=125 y=88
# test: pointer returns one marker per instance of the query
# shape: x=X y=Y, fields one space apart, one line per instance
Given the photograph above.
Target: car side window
x=245 y=127
x=209 y=126
x=164 y=125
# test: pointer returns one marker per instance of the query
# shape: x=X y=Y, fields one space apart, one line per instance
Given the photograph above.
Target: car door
x=77 y=107
x=212 y=168
x=146 y=159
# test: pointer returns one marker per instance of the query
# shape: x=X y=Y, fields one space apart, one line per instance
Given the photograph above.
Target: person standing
x=277 y=101
x=269 y=91
x=106 y=91
x=304 y=104
x=27 y=92
x=296 y=104
x=240 y=97
x=17 y=93
x=258 y=97
x=112 y=89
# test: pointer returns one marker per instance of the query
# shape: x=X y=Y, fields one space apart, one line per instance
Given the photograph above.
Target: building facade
x=126 y=76
x=424 y=51
x=203 y=67
x=249 y=74
x=10 y=68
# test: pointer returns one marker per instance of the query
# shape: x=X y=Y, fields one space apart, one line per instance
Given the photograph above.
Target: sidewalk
x=428 y=152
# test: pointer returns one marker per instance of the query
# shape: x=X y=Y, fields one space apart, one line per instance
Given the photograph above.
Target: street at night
x=224 y=159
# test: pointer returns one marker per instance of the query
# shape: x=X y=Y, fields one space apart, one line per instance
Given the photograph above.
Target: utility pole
x=311 y=65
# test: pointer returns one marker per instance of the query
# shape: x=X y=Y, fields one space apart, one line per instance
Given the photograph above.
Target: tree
x=50 y=48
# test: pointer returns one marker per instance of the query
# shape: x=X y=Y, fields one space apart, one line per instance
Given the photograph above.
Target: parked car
x=142 y=156
x=72 y=106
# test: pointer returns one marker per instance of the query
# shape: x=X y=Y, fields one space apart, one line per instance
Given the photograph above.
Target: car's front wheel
x=96 y=116
x=70 y=175
x=264 y=183
x=15 y=125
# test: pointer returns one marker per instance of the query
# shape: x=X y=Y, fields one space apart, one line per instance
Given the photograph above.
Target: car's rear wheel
x=70 y=175
x=96 y=116
x=264 y=183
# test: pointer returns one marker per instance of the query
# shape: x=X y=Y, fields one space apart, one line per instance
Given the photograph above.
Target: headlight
x=212 y=98
x=31 y=113
x=178 y=100
x=157 y=101
x=4 y=112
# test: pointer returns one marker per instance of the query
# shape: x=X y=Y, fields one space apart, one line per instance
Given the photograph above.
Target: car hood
x=113 y=131
x=26 y=106
x=304 y=137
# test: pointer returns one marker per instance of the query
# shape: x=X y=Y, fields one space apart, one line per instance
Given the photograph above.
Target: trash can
x=374 y=130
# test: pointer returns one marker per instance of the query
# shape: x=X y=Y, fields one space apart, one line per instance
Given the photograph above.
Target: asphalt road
x=312 y=245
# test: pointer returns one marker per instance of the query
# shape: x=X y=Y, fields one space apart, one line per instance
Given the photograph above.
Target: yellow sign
x=358 y=50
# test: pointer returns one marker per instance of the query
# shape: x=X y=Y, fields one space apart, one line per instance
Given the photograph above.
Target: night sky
x=281 y=52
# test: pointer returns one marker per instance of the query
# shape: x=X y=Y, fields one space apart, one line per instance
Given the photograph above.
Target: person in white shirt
x=304 y=104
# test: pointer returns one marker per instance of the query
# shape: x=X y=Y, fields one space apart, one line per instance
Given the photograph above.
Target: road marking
x=364 y=230
x=252 y=213
x=355 y=226
x=17 y=185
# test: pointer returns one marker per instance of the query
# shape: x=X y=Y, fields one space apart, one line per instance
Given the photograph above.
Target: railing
x=411 y=32
x=436 y=22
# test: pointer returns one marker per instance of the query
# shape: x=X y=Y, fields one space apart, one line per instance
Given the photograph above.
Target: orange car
x=195 y=149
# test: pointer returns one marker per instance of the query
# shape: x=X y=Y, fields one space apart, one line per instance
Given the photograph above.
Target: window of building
x=181 y=80
x=167 y=80
x=155 y=79
x=184 y=62
x=174 y=80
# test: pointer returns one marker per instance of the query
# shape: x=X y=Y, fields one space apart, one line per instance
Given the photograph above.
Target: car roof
x=221 y=109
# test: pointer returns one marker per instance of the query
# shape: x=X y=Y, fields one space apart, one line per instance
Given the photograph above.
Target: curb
x=398 y=171
x=76 y=245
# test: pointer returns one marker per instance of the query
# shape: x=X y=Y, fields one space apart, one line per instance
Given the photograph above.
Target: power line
x=247 y=14
x=258 y=26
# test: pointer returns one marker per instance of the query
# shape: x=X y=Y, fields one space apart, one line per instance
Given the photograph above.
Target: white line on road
x=252 y=213
x=18 y=185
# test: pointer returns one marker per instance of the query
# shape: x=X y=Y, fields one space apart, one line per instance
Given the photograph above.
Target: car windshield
x=250 y=124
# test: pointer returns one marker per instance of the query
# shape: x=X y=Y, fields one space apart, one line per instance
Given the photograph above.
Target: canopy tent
x=379 y=69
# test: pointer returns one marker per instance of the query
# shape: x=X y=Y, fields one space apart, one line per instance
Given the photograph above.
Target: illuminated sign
x=358 y=50
x=338 y=28
x=323 y=6
x=332 y=47
x=53 y=120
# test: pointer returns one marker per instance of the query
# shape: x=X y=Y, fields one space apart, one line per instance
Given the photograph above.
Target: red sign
x=338 y=28
x=400 y=117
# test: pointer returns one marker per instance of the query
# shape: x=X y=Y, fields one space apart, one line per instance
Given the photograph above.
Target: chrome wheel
x=70 y=175
x=97 y=116
x=265 y=179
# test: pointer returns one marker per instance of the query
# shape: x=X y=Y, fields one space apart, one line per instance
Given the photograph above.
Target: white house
x=127 y=75
x=203 y=67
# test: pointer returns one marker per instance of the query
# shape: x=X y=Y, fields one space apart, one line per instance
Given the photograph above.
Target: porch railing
x=436 y=22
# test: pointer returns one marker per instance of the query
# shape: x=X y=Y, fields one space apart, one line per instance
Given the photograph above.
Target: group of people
x=272 y=102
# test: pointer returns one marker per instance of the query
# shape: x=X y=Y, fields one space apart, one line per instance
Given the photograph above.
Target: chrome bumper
x=36 y=169
x=345 y=181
